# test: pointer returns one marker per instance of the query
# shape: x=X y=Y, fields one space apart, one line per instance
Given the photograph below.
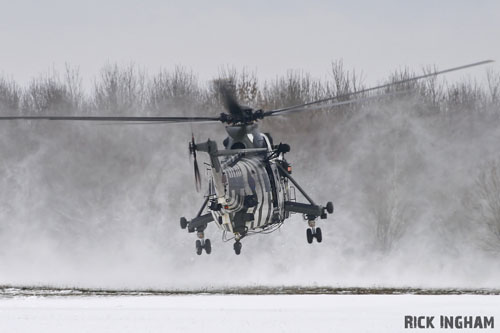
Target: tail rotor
x=192 y=152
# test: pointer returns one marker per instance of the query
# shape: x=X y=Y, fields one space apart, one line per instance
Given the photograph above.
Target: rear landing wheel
x=208 y=246
x=329 y=207
x=309 y=235
x=184 y=223
x=318 y=235
x=237 y=247
x=199 y=248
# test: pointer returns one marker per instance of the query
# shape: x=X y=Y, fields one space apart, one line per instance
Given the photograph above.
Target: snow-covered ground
x=218 y=313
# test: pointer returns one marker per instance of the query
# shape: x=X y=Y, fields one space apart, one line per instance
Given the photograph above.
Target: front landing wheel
x=318 y=235
x=237 y=247
x=199 y=248
x=208 y=246
x=309 y=235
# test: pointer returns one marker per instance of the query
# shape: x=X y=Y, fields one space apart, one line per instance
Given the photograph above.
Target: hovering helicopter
x=251 y=189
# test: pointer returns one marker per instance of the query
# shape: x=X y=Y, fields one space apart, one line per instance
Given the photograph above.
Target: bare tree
x=465 y=97
x=493 y=79
x=47 y=93
x=74 y=88
x=294 y=88
x=120 y=90
x=432 y=92
x=10 y=95
x=344 y=80
x=178 y=89
x=388 y=206
x=123 y=89
x=486 y=203
x=391 y=216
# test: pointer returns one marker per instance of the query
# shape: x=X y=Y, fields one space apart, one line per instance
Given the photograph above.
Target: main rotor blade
x=331 y=105
x=282 y=110
x=230 y=101
x=134 y=120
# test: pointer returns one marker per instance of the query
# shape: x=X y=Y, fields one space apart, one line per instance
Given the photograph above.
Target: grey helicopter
x=250 y=188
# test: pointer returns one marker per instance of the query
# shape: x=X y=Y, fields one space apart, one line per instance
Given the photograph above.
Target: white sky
x=268 y=37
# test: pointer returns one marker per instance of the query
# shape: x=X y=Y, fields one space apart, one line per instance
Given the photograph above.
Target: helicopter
x=250 y=188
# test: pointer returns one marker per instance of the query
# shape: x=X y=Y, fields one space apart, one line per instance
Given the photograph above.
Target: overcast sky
x=268 y=37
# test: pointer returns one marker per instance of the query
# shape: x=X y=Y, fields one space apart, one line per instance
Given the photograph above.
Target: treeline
x=130 y=90
x=391 y=168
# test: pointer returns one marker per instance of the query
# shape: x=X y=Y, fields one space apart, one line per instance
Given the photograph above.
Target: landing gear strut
x=199 y=224
x=310 y=211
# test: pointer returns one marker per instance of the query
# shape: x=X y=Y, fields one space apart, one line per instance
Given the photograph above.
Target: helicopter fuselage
x=245 y=190
x=250 y=188
x=253 y=194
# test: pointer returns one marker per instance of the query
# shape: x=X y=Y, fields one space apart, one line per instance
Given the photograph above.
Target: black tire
x=237 y=248
x=309 y=235
x=318 y=235
x=329 y=207
x=184 y=223
x=199 y=249
x=208 y=246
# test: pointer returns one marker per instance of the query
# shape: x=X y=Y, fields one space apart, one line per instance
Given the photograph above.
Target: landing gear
x=203 y=243
x=309 y=235
x=199 y=247
x=318 y=235
x=208 y=246
x=237 y=247
x=184 y=223
x=329 y=207
x=313 y=232
x=198 y=225
x=310 y=211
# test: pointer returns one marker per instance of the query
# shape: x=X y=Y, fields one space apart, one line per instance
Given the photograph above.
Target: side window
x=268 y=141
